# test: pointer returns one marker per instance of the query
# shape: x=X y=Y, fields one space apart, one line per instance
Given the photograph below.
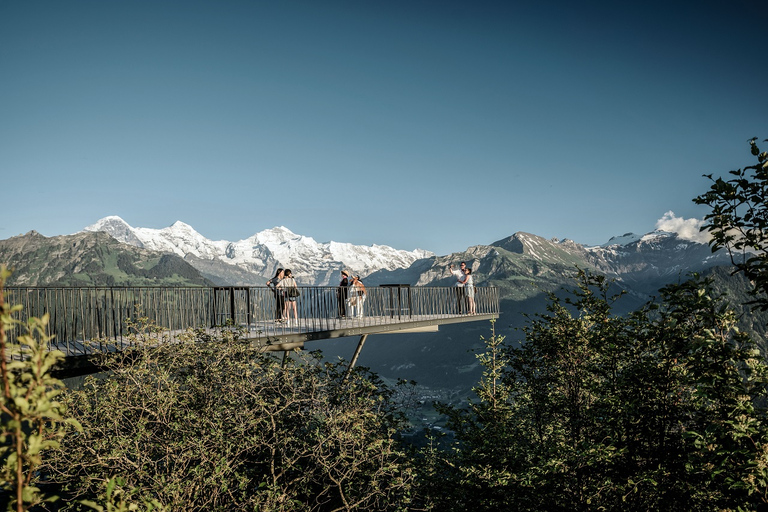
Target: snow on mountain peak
x=180 y=226
x=110 y=221
x=657 y=235
x=626 y=238
x=311 y=262
x=118 y=229
x=276 y=235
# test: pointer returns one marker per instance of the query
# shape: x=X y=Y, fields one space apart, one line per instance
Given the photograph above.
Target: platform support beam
x=356 y=355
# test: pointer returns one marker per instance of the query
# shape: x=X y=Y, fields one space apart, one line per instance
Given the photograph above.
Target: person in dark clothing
x=459 y=275
x=279 y=296
x=342 y=292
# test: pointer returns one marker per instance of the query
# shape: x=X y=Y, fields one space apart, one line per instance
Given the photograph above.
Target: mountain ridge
x=645 y=261
x=253 y=260
x=91 y=259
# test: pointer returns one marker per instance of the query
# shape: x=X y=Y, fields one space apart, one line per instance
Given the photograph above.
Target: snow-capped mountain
x=626 y=238
x=253 y=260
x=643 y=261
x=521 y=266
x=524 y=264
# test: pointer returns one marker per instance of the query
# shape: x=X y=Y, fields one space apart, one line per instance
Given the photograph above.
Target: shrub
x=218 y=425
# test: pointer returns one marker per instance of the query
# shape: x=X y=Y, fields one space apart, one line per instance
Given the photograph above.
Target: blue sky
x=436 y=125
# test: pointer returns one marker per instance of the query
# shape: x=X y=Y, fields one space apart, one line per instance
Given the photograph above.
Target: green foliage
x=218 y=425
x=738 y=221
x=32 y=421
x=118 y=499
x=660 y=409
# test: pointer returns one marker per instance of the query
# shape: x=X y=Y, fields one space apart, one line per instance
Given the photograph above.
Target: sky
x=415 y=124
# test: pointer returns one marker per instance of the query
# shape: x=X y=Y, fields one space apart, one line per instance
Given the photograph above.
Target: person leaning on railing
x=279 y=298
x=459 y=274
x=469 y=290
x=342 y=293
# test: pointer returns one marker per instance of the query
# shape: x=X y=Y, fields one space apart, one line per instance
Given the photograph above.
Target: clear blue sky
x=430 y=124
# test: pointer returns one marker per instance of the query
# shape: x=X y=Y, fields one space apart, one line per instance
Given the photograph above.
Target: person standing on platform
x=290 y=292
x=342 y=293
x=279 y=299
x=460 y=276
x=469 y=291
x=356 y=297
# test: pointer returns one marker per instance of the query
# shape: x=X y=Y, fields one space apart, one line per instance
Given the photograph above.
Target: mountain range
x=520 y=265
x=642 y=263
x=252 y=261
x=91 y=259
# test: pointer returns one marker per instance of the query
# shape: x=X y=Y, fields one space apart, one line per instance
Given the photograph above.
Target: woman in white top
x=469 y=290
x=356 y=297
x=290 y=290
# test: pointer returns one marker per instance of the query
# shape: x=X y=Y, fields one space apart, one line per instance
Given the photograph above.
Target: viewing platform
x=87 y=320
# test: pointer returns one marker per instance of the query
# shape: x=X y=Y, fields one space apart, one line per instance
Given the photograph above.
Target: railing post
x=410 y=304
x=248 y=306
x=232 y=304
x=212 y=298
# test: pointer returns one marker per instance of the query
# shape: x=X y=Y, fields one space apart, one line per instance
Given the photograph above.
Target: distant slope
x=91 y=259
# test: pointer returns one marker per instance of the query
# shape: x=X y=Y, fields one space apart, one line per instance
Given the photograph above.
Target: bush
x=218 y=425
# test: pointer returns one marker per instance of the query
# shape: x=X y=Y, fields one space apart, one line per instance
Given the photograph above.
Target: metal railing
x=105 y=314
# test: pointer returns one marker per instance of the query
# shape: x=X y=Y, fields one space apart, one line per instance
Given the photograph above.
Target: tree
x=32 y=419
x=477 y=473
x=738 y=221
x=660 y=409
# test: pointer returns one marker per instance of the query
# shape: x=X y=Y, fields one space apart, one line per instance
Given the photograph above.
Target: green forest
x=665 y=408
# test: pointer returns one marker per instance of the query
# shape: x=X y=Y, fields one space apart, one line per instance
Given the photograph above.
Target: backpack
x=291 y=290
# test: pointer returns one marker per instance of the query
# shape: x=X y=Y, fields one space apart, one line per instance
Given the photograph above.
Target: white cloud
x=687 y=229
